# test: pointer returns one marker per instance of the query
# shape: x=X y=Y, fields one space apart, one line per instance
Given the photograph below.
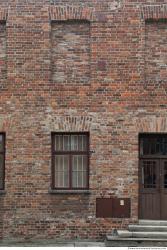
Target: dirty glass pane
x=62 y=142
x=156 y=145
x=78 y=142
x=66 y=142
x=58 y=142
x=79 y=171
x=61 y=171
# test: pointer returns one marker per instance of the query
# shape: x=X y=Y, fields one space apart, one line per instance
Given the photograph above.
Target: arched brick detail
x=72 y=123
x=64 y=13
x=154 y=11
x=3 y=14
x=152 y=124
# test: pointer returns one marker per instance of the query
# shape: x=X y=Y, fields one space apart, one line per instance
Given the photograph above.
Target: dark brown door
x=153 y=177
x=163 y=190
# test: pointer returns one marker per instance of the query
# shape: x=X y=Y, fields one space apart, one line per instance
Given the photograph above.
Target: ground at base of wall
x=51 y=243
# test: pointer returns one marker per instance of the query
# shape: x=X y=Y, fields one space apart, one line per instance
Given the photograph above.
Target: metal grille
x=149 y=174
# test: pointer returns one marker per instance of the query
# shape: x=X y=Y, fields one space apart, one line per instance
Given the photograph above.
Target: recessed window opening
x=70 y=160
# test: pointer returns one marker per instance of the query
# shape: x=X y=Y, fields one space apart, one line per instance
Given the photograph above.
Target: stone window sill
x=53 y=191
x=2 y=192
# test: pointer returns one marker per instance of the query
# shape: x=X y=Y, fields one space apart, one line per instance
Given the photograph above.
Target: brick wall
x=3 y=68
x=70 y=53
x=114 y=107
x=156 y=57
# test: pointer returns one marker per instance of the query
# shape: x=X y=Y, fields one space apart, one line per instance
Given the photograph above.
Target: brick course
x=116 y=105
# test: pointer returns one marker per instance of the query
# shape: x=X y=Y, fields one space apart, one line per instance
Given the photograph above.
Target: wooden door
x=149 y=189
x=163 y=190
x=153 y=177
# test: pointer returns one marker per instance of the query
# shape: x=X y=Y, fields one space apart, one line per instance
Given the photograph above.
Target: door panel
x=153 y=189
x=150 y=206
x=163 y=189
x=153 y=176
x=149 y=189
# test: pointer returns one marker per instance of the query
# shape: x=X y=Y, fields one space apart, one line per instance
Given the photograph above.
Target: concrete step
x=147 y=228
x=162 y=235
x=123 y=233
x=128 y=234
x=153 y=222
x=113 y=241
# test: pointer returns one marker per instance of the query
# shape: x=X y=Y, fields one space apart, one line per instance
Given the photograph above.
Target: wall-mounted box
x=113 y=207
x=121 y=207
x=103 y=207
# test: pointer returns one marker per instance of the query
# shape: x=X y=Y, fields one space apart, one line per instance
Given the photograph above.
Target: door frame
x=160 y=158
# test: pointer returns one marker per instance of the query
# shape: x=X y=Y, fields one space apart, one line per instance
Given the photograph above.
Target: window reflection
x=156 y=145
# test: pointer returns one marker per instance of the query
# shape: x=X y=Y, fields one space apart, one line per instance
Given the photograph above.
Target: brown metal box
x=121 y=208
x=113 y=208
x=103 y=207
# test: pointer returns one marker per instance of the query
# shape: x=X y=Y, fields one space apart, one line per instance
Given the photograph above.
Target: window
x=70 y=161
x=153 y=144
x=2 y=161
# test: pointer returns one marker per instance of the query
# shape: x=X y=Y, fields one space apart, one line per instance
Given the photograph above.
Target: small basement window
x=70 y=161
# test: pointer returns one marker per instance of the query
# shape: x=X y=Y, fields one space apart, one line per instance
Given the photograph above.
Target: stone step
x=153 y=222
x=113 y=241
x=128 y=234
x=123 y=234
x=147 y=228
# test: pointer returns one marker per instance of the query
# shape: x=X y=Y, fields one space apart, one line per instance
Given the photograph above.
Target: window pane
x=155 y=145
x=145 y=146
x=1 y=143
x=66 y=143
x=62 y=171
x=79 y=163
x=62 y=143
x=74 y=142
x=1 y=171
x=84 y=179
x=79 y=171
x=58 y=142
x=78 y=142
x=82 y=142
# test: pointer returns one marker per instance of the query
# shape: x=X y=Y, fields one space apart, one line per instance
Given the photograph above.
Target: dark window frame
x=70 y=153
x=152 y=136
x=3 y=153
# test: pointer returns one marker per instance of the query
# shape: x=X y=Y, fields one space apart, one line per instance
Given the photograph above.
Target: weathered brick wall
x=3 y=69
x=115 y=106
x=70 y=52
x=156 y=52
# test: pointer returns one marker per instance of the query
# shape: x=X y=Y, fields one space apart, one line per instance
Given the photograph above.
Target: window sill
x=52 y=191
x=2 y=192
